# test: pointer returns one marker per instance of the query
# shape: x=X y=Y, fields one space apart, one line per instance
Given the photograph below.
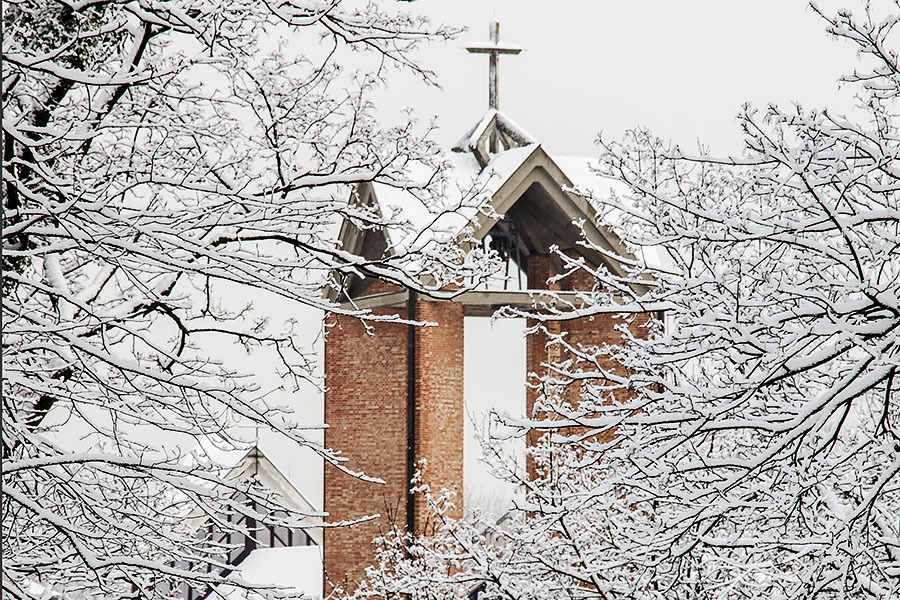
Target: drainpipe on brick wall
x=411 y=412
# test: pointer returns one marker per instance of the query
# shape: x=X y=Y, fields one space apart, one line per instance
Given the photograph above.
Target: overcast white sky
x=683 y=69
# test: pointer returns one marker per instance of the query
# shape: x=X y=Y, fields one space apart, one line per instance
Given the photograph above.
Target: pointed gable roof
x=521 y=183
x=252 y=462
x=493 y=125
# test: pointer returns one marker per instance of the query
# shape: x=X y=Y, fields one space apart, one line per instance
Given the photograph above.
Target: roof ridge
x=492 y=131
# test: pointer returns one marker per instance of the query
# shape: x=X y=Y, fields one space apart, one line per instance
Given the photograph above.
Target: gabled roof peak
x=492 y=134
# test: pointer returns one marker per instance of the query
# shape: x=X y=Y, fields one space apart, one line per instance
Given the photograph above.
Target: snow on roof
x=505 y=163
x=581 y=170
x=467 y=187
x=238 y=463
x=464 y=190
x=296 y=569
x=210 y=451
x=32 y=588
x=584 y=174
x=469 y=142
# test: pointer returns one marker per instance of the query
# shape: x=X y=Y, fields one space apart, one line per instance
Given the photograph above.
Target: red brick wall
x=439 y=403
x=585 y=331
x=365 y=408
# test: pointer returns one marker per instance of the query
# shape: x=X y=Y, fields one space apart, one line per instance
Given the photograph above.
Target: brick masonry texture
x=365 y=407
x=595 y=330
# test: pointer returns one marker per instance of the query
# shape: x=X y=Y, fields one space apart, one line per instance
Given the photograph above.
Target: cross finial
x=494 y=49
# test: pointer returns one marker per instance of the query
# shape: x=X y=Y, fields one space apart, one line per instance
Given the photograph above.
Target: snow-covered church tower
x=395 y=394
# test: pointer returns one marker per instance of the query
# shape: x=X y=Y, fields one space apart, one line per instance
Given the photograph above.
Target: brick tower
x=395 y=392
x=584 y=332
x=394 y=398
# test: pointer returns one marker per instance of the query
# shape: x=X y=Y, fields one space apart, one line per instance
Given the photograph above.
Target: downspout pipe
x=411 y=411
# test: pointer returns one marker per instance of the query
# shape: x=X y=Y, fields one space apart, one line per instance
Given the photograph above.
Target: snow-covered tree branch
x=753 y=448
x=165 y=166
